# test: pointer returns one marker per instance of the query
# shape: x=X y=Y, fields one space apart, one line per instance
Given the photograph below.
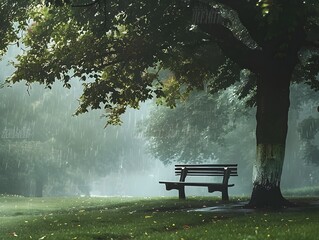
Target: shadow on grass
x=299 y=205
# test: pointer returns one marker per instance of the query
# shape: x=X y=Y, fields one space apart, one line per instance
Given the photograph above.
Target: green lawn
x=147 y=218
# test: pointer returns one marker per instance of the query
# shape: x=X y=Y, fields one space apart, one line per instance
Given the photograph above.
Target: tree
x=122 y=45
x=197 y=129
x=45 y=150
x=308 y=130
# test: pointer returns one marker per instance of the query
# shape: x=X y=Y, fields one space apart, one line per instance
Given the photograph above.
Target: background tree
x=308 y=131
x=196 y=129
x=45 y=150
x=270 y=39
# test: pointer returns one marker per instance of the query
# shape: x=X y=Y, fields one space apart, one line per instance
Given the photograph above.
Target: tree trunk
x=272 y=126
x=39 y=184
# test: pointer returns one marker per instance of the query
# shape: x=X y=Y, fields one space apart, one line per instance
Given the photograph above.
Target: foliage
x=123 y=46
x=24 y=163
x=13 y=20
x=305 y=102
x=196 y=130
x=113 y=45
x=205 y=128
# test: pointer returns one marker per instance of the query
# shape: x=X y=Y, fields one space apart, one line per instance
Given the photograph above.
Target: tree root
x=268 y=197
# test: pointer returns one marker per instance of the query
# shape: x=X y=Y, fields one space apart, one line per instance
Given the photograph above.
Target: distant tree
x=44 y=150
x=27 y=166
x=117 y=43
x=196 y=130
x=308 y=130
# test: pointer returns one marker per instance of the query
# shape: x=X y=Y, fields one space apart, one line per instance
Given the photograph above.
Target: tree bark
x=272 y=126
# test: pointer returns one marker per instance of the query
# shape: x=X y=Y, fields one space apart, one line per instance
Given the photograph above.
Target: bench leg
x=181 y=192
x=225 y=196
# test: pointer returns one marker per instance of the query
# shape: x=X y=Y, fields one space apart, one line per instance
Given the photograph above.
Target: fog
x=46 y=151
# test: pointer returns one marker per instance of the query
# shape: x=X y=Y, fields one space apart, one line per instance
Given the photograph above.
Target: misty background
x=46 y=151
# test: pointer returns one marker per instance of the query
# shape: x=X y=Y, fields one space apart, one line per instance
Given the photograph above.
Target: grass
x=304 y=191
x=146 y=218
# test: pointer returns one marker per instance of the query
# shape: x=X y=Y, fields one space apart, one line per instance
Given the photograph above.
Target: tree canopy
x=121 y=46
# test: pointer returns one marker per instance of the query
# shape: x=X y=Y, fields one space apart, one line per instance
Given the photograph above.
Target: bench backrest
x=184 y=170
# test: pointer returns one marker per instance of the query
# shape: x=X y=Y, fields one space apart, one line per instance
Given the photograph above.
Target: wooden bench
x=202 y=170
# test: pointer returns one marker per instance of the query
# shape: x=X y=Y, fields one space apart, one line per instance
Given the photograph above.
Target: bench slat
x=206 y=168
x=206 y=171
x=207 y=174
x=206 y=165
x=198 y=184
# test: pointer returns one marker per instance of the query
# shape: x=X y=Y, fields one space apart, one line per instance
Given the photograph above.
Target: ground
x=153 y=218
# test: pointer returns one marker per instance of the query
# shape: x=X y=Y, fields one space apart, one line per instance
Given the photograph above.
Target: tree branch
x=233 y=4
x=86 y=4
x=233 y=48
x=246 y=12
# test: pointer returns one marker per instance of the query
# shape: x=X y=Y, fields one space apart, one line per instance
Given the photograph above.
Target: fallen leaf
x=186 y=227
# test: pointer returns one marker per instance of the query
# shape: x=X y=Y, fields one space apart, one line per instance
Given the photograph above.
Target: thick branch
x=86 y=4
x=233 y=48
x=248 y=14
x=234 y=4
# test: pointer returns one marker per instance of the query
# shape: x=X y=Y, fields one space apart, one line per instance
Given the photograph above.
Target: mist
x=46 y=151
